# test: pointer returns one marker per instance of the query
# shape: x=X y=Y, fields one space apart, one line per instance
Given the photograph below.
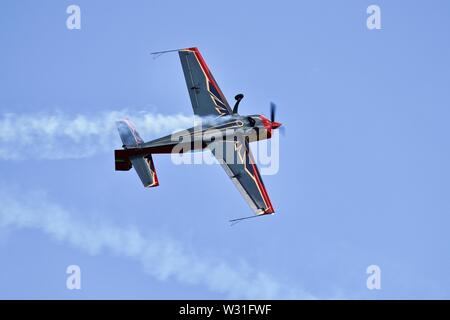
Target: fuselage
x=253 y=127
x=226 y=128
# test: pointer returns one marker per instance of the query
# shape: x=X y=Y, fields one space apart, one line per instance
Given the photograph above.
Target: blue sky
x=364 y=176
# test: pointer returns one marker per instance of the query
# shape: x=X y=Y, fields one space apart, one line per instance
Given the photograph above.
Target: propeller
x=273 y=123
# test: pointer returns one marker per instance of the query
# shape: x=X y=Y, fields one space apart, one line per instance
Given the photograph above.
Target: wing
x=206 y=97
x=237 y=160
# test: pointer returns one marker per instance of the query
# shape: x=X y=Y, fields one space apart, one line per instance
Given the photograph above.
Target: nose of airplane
x=275 y=125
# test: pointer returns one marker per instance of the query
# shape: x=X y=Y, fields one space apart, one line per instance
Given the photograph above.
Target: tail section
x=128 y=133
x=145 y=170
x=123 y=162
x=143 y=164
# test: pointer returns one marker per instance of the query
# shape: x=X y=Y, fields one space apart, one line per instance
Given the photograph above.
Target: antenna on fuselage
x=238 y=98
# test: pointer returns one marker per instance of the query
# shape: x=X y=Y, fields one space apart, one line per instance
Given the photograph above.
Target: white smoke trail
x=160 y=256
x=58 y=136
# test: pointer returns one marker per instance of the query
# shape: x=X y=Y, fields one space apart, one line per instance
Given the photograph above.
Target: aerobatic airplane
x=224 y=132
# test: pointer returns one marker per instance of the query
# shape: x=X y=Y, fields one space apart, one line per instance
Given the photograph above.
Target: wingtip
x=270 y=210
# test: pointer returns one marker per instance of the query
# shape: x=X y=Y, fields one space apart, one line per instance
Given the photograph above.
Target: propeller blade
x=273 y=107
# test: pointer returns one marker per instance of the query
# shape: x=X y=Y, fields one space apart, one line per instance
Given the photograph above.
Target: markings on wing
x=214 y=91
x=246 y=158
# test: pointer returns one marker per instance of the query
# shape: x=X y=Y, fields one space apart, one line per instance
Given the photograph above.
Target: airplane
x=225 y=132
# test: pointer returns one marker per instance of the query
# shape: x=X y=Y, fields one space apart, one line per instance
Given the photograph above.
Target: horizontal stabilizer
x=128 y=133
x=145 y=170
